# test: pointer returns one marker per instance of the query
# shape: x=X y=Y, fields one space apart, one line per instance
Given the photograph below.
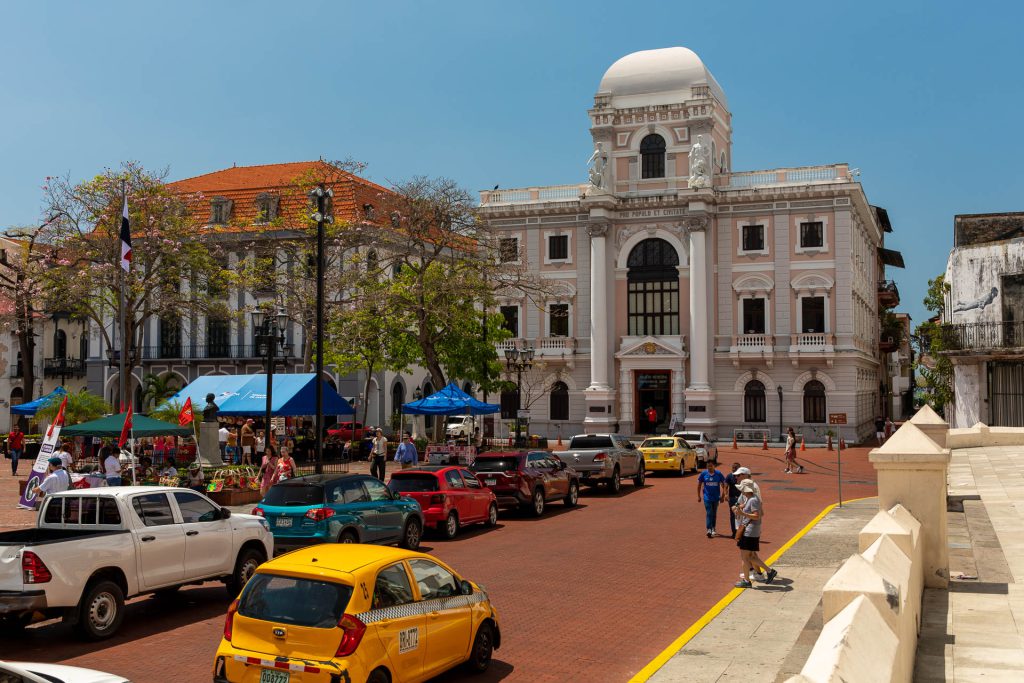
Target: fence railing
x=63 y=367
x=788 y=176
x=522 y=195
x=811 y=339
x=747 y=341
x=207 y=351
x=978 y=336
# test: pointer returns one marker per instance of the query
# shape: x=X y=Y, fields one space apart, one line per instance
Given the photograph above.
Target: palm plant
x=157 y=389
x=81 y=407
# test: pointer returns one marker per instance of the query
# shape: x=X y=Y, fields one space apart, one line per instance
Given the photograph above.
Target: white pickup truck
x=93 y=548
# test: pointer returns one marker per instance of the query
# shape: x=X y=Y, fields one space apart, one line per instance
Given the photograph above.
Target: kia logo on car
x=279 y=632
x=576 y=457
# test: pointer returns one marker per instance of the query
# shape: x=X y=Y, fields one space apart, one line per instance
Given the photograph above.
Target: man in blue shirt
x=406 y=453
x=711 y=489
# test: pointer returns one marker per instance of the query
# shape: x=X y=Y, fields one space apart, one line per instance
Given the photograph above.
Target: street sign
x=837 y=418
x=523 y=414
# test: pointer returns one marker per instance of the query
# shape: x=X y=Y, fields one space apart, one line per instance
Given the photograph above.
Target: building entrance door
x=652 y=391
x=1006 y=394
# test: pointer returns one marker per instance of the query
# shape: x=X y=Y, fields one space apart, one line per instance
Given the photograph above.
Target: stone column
x=598 y=306
x=912 y=472
x=699 y=321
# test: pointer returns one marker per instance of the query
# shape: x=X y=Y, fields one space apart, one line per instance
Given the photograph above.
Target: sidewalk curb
x=679 y=643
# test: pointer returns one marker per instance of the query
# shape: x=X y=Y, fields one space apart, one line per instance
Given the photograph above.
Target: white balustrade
x=747 y=341
x=556 y=344
x=811 y=339
x=787 y=176
x=526 y=195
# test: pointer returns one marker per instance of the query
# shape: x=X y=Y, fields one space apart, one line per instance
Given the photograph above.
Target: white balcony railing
x=806 y=175
x=753 y=341
x=816 y=339
x=513 y=343
x=555 y=345
x=527 y=195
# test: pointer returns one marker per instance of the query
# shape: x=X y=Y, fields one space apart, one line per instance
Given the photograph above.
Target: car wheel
x=537 y=506
x=348 y=536
x=12 y=625
x=378 y=676
x=492 y=515
x=573 y=497
x=101 y=610
x=641 y=475
x=682 y=468
x=245 y=567
x=411 y=535
x=483 y=648
x=451 y=525
x=615 y=483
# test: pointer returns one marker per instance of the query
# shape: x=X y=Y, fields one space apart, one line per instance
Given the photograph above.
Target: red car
x=344 y=430
x=449 y=496
x=528 y=479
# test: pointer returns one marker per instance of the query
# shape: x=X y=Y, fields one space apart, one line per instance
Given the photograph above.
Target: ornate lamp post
x=517 y=361
x=323 y=198
x=269 y=330
x=779 y=389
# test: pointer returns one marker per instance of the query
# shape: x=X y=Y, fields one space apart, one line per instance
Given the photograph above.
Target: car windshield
x=588 y=442
x=294 y=494
x=411 y=483
x=495 y=465
x=658 y=443
x=690 y=436
x=290 y=600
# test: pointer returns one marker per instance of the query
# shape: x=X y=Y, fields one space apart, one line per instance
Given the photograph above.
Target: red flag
x=185 y=416
x=59 y=420
x=126 y=429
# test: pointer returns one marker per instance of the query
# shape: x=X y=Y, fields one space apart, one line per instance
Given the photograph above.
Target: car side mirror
x=465 y=587
x=225 y=513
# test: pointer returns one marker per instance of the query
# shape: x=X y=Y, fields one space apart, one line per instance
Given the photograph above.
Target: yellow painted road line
x=679 y=643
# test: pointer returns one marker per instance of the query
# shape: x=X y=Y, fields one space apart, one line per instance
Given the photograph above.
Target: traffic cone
x=734 y=442
x=830 y=442
x=842 y=444
x=802 y=446
x=764 y=446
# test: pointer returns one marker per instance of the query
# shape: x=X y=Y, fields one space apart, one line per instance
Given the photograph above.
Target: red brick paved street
x=590 y=594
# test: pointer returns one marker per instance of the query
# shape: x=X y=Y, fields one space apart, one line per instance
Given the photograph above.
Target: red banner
x=185 y=416
x=126 y=429
x=59 y=420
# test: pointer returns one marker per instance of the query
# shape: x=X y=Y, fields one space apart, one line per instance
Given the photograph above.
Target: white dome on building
x=663 y=76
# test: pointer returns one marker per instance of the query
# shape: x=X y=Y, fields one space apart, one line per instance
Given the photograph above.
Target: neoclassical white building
x=733 y=302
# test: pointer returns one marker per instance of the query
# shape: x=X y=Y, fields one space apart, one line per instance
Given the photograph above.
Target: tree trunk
x=366 y=392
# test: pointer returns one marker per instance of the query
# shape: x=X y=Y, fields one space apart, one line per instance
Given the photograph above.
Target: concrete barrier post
x=912 y=470
x=929 y=422
x=905 y=531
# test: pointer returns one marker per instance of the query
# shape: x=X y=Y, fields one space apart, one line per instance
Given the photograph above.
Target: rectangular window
x=218 y=336
x=170 y=337
x=653 y=307
x=812 y=234
x=558 y=320
x=558 y=247
x=812 y=310
x=753 y=238
x=509 y=405
x=508 y=249
x=511 y=315
x=753 y=316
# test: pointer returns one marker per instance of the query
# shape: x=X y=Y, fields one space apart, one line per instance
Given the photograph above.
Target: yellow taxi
x=347 y=613
x=668 y=454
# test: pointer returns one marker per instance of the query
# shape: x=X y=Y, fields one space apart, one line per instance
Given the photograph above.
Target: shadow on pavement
x=498 y=671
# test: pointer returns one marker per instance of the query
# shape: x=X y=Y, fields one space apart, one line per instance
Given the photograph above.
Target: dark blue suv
x=343 y=508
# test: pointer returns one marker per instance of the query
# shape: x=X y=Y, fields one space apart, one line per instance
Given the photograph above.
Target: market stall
x=32 y=407
x=450 y=401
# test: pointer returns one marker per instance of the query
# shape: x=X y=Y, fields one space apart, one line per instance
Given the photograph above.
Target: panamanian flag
x=126 y=238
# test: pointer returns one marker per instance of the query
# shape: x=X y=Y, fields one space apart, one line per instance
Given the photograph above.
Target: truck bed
x=37 y=536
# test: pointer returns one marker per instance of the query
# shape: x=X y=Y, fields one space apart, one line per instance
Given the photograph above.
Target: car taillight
x=437 y=499
x=600 y=456
x=229 y=621
x=258 y=511
x=352 y=630
x=319 y=514
x=33 y=570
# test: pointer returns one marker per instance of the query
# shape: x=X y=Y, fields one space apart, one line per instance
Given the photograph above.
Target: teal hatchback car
x=342 y=508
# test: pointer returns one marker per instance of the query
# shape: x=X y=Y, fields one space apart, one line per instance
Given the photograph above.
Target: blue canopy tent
x=449 y=401
x=246 y=395
x=31 y=407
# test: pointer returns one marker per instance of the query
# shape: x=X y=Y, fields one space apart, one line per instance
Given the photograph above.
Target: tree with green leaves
x=157 y=388
x=934 y=367
x=82 y=406
x=23 y=263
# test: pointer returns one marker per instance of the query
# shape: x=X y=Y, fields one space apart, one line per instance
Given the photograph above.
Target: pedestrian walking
x=67 y=459
x=879 y=430
x=15 y=447
x=231 y=449
x=112 y=468
x=406 y=454
x=734 y=495
x=268 y=471
x=791 y=464
x=743 y=475
x=748 y=511
x=285 y=465
x=222 y=440
x=248 y=440
x=378 y=454
x=711 y=489
x=57 y=479
x=652 y=418
x=890 y=427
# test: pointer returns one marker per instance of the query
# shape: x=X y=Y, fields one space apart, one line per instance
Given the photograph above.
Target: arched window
x=83 y=346
x=653 y=286
x=652 y=156
x=559 y=401
x=60 y=344
x=754 y=404
x=397 y=397
x=814 y=402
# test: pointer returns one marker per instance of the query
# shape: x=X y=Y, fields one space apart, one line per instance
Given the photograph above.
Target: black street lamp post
x=518 y=361
x=269 y=330
x=778 y=388
x=322 y=196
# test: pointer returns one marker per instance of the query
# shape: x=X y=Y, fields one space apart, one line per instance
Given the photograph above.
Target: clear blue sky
x=923 y=97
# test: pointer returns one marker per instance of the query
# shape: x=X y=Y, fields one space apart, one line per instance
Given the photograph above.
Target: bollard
x=764 y=446
x=842 y=443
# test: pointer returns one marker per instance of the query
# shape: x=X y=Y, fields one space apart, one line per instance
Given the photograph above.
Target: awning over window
x=891 y=257
x=883 y=218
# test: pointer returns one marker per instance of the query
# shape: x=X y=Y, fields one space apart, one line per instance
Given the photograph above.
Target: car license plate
x=274 y=676
x=490 y=482
x=282 y=521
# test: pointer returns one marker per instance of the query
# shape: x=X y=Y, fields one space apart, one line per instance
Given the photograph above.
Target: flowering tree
x=22 y=263
x=175 y=264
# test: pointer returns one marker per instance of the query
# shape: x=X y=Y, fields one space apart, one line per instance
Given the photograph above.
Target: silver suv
x=702 y=443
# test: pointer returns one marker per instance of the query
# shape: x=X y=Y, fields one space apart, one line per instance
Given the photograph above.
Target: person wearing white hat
x=743 y=474
x=748 y=513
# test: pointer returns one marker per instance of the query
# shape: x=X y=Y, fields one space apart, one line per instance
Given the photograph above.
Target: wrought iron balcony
x=983 y=336
x=209 y=352
x=888 y=294
x=63 y=367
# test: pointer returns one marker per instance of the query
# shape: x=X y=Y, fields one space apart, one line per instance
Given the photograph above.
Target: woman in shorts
x=748 y=519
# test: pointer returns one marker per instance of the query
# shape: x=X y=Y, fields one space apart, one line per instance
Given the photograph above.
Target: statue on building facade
x=699 y=165
x=598 y=162
x=210 y=410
